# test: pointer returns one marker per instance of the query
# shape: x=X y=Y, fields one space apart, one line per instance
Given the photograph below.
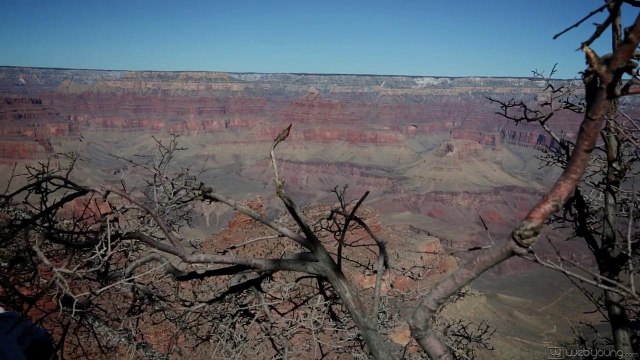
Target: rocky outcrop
x=459 y=150
x=87 y=209
x=488 y=139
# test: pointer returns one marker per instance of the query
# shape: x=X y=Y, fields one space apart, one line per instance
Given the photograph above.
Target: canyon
x=405 y=139
x=435 y=155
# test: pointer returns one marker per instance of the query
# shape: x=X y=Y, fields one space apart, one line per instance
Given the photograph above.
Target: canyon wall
x=43 y=105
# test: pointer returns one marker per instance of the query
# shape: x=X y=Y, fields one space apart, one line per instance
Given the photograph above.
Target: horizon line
x=283 y=73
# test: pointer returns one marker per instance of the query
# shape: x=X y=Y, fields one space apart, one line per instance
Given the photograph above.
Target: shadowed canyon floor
x=431 y=150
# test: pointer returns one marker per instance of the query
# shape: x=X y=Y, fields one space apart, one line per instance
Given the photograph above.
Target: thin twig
x=600 y=9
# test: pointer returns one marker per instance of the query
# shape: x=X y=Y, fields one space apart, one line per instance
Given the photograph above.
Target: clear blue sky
x=421 y=37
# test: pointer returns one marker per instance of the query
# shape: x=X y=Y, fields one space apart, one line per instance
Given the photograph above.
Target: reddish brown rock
x=489 y=139
x=17 y=150
x=240 y=220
